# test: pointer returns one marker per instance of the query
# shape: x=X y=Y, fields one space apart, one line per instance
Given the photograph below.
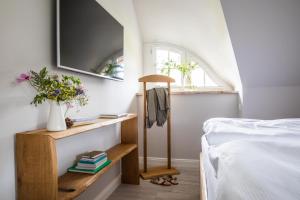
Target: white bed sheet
x=211 y=180
x=221 y=130
x=252 y=159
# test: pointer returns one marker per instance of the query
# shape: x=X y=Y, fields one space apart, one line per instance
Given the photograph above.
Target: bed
x=248 y=159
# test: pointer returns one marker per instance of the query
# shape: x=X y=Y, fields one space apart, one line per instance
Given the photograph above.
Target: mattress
x=252 y=159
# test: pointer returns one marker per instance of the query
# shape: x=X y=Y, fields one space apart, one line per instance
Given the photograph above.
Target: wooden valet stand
x=149 y=173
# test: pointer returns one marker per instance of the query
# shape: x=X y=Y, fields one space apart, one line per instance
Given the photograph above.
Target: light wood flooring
x=188 y=188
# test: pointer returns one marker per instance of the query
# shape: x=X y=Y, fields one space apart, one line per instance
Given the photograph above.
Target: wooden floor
x=188 y=188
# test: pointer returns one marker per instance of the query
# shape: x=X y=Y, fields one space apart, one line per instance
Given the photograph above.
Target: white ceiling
x=197 y=25
x=266 y=38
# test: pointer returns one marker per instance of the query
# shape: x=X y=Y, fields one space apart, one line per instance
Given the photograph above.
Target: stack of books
x=91 y=163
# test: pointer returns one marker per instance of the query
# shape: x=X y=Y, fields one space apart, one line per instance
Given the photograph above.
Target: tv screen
x=89 y=39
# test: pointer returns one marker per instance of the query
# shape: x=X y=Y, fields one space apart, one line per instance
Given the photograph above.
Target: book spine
x=91 y=166
x=96 y=156
x=90 y=171
x=81 y=171
x=91 y=161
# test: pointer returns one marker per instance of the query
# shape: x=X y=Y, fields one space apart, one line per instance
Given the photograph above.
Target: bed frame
x=203 y=194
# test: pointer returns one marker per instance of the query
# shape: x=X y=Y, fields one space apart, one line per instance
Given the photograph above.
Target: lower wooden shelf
x=158 y=171
x=70 y=185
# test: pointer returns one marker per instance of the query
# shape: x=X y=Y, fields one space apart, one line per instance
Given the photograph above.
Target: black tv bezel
x=59 y=65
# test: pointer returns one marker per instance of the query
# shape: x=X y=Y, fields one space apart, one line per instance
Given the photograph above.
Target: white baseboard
x=109 y=189
x=154 y=161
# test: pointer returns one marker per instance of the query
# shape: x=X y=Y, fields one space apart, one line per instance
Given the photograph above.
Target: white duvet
x=254 y=159
x=220 y=130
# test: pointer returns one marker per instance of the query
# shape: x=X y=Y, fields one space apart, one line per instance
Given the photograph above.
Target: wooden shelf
x=78 y=182
x=97 y=123
x=36 y=157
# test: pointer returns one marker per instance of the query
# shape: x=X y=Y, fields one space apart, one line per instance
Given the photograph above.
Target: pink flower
x=23 y=77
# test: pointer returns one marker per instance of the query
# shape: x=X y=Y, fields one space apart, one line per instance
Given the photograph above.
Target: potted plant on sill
x=57 y=91
x=185 y=69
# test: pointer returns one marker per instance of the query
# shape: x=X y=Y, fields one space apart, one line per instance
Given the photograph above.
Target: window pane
x=161 y=69
x=193 y=63
x=198 y=77
x=177 y=76
x=175 y=57
x=161 y=57
x=209 y=82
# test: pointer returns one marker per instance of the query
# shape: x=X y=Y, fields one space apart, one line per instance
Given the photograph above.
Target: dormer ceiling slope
x=265 y=35
x=197 y=25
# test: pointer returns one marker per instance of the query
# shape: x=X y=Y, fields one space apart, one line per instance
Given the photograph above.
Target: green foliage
x=66 y=89
x=185 y=69
x=111 y=69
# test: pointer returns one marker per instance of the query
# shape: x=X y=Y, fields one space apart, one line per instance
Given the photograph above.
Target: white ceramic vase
x=56 y=120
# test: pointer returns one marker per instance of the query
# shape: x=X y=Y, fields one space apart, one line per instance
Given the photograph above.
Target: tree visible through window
x=187 y=72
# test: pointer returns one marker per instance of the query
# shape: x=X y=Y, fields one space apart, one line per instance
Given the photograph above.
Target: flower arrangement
x=64 y=89
x=185 y=69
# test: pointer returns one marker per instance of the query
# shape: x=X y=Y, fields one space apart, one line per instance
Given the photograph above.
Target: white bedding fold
x=254 y=159
x=220 y=130
x=258 y=170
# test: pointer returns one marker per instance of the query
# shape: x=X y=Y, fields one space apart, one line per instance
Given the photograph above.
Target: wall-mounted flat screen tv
x=89 y=39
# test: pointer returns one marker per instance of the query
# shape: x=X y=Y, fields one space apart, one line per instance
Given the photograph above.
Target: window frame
x=187 y=56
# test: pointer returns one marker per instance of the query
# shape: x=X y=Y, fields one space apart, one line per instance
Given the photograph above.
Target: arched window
x=164 y=56
x=189 y=71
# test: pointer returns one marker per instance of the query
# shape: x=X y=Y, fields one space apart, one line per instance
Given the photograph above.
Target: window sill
x=192 y=92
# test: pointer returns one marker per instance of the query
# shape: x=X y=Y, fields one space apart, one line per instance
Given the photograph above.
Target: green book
x=89 y=171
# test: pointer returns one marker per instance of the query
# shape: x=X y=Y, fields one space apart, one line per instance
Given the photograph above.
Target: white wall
x=266 y=42
x=196 y=25
x=272 y=102
x=189 y=111
x=27 y=41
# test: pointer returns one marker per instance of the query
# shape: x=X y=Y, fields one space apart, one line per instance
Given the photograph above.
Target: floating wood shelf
x=37 y=161
x=78 y=182
x=97 y=123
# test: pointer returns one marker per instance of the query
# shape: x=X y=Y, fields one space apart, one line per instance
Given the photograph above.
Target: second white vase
x=56 y=119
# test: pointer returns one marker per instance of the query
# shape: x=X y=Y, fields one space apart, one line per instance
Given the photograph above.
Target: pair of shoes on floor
x=167 y=180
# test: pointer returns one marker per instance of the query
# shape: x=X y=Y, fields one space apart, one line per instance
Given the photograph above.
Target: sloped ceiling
x=197 y=25
x=266 y=39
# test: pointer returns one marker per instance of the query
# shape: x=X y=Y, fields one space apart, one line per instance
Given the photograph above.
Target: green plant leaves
x=64 y=89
